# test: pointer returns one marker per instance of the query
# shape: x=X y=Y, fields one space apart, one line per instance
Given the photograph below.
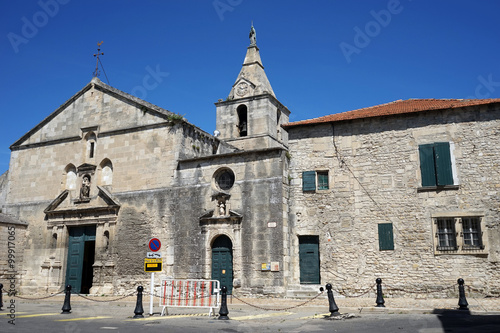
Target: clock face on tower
x=242 y=89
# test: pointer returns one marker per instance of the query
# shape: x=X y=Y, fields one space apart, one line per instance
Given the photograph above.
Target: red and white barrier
x=189 y=293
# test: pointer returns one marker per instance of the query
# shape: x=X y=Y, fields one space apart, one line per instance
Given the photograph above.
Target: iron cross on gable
x=99 y=53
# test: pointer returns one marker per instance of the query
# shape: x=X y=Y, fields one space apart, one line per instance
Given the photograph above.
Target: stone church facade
x=406 y=191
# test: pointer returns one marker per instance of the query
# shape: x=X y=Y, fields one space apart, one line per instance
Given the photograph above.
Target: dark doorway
x=309 y=259
x=87 y=270
x=81 y=256
x=222 y=262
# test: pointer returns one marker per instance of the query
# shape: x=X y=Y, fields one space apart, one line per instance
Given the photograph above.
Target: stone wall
x=3 y=188
x=374 y=177
x=12 y=243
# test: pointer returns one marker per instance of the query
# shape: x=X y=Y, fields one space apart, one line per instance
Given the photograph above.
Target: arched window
x=106 y=172
x=70 y=172
x=242 y=120
x=91 y=140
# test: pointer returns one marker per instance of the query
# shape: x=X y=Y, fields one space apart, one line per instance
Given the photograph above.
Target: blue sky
x=321 y=57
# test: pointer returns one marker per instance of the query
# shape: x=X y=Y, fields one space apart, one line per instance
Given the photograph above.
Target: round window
x=225 y=179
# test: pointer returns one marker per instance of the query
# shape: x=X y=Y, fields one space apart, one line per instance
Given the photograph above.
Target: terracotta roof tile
x=395 y=108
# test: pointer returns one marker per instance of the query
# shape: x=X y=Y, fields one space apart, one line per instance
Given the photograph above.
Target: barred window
x=460 y=234
x=447 y=239
x=472 y=232
x=322 y=180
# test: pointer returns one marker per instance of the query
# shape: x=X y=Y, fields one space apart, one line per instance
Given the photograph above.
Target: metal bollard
x=139 y=310
x=333 y=308
x=223 y=312
x=1 y=301
x=462 y=301
x=380 y=298
x=66 y=309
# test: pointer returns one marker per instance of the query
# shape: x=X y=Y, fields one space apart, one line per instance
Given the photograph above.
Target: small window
x=472 y=233
x=92 y=147
x=447 y=239
x=314 y=180
x=385 y=237
x=435 y=164
x=322 y=180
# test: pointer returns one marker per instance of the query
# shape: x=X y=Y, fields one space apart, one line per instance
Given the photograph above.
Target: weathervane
x=99 y=53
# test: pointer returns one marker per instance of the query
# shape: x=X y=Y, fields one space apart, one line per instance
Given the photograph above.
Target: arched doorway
x=222 y=262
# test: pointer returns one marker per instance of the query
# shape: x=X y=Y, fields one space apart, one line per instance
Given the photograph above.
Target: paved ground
x=287 y=315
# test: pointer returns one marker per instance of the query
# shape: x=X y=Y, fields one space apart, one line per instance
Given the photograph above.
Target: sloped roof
x=253 y=72
x=396 y=108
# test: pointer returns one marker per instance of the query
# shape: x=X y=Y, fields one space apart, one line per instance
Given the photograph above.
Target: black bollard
x=462 y=301
x=139 y=310
x=380 y=298
x=66 y=309
x=1 y=301
x=333 y=308
x=223 y=312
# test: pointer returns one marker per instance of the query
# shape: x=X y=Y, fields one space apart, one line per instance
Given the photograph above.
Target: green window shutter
x=427 y=169
x=385 y=236
x=443 y=163
x=309 y=181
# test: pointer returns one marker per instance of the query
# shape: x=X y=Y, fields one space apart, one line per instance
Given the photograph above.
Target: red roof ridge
x=396 y=107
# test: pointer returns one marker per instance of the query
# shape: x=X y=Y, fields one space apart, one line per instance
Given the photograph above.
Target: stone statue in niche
x=85 y=190
x=222 y=208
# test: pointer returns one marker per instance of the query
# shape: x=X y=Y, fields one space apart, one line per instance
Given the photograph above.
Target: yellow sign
x=153 y=265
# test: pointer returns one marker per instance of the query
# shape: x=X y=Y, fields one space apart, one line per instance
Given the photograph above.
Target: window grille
x=446 y=234
x=472 y=232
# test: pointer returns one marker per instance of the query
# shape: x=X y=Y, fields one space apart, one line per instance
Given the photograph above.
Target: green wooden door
x=309 y=259
x=222 y=262
x=76 y=251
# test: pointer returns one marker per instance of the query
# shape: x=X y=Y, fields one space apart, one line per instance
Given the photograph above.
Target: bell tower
x=251 y=116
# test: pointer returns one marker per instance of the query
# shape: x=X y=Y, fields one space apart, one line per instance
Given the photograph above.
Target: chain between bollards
x=66 y=309
x=139 y=310
x=462 y=301
x=380 y=297
x=223 y=312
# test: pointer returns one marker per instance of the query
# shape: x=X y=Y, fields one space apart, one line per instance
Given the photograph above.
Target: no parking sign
x=154 y=244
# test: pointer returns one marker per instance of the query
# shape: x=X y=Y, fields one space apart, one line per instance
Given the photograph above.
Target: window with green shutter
x=435 y=164
x=385 y=236
x=314 y=180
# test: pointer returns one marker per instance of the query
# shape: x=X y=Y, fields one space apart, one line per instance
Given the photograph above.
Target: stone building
x=406 y=191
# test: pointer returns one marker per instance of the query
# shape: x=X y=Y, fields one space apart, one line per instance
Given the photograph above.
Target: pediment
x=243 y=87
x=96 y=106
x=210 y=216
x=67 y=205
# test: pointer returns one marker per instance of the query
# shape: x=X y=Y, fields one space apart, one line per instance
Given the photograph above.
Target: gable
x=98 y=107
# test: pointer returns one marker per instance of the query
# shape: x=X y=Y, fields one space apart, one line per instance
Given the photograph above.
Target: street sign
x=153 y=265
x=154 y=244
x=153 y=255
